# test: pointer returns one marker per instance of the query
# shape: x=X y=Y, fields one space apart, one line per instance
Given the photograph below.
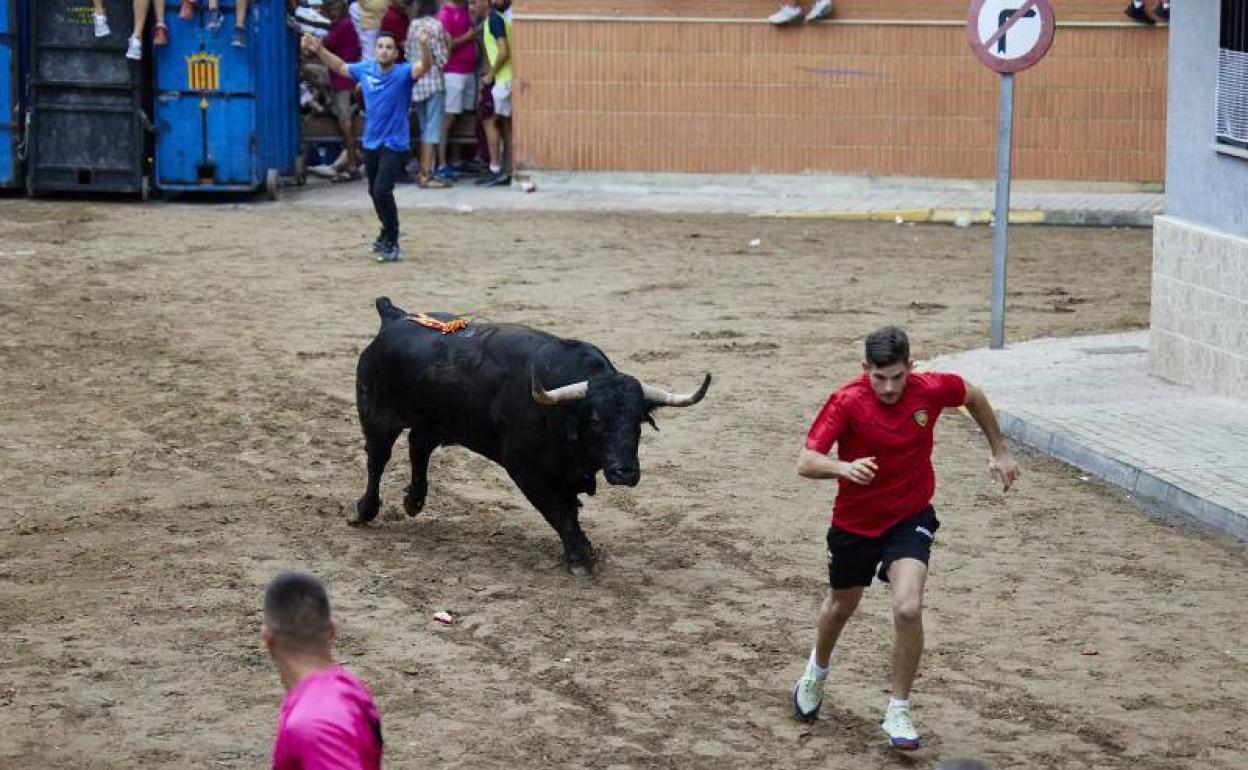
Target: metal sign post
x=1009 y=36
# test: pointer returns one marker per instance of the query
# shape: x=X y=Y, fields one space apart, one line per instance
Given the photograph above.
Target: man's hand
x=860 y=471
x=487 y=79
x=1004 y=469
x=310 y=43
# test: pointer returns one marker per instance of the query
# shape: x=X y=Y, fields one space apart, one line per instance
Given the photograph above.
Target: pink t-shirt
x=328 y=722
x=457 y=20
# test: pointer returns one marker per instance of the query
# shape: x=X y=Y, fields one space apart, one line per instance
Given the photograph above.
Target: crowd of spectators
x=467 y=86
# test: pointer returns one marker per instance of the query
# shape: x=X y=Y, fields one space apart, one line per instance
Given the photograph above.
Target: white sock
x=893 y=703
x=1138 y=3
x=815 y=668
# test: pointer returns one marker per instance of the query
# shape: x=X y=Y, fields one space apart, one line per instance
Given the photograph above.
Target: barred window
x=1232 y=110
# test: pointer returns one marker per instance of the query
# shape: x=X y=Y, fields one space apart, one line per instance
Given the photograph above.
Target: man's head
x=296 y=616
x=479 y=8
x=387 y=49
x=886 y=360
x=500 y=5
x=334 y=9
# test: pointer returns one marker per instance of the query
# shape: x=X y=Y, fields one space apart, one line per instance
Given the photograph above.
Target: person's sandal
x=160 y=35
x=187 y=10
x=427 y=181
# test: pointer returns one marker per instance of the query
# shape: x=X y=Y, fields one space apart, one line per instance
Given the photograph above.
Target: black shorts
x=853 y=558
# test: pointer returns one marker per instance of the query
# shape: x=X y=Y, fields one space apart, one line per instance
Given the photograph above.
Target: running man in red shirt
x=883 y=523
x=328 y=720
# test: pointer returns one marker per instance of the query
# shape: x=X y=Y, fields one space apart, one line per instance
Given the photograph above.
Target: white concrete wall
x=1199 y=326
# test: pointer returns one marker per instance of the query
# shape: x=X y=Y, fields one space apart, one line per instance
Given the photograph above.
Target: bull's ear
x=650 y=419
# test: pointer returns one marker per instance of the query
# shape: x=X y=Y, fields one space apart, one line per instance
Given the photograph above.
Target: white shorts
x=461 y=92
x=502 y=99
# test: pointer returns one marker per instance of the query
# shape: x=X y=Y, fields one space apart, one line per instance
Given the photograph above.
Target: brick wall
x=888 y=88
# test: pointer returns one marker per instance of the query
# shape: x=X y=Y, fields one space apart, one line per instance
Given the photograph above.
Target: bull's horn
x=660 y=397
x=574 y=392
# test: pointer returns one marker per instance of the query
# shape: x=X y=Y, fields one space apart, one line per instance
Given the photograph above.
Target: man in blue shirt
x=387 y=89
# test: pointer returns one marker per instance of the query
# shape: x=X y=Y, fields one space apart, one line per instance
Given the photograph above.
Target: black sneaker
x=1162 y=11
x=487 y=177
x=1138 y=13
x=499 y=180
x=390 y=254
x=379 y=245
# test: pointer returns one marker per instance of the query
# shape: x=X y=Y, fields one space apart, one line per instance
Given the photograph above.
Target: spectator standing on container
x=460 y=75
x=387 y=88
x=134 y=49
x=791 y=13
x=186 y=12
x=396 y=21
x=328 y=718
x=498 y=77
x=429 y=93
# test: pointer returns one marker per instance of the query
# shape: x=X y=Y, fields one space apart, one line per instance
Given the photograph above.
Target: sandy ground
x=177 y=390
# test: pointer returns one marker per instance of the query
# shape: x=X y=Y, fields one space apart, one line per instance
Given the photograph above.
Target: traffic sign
x=1010 y=35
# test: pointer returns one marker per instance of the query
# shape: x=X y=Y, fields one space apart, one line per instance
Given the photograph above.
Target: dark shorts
x=853 y=559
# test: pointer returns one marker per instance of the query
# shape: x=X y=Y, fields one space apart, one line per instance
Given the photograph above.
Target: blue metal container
x=86 y=124
x=10 y=95
x=227 y=118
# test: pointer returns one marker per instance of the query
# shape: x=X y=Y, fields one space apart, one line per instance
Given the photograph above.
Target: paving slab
x=810 y=196
x=1091 y=402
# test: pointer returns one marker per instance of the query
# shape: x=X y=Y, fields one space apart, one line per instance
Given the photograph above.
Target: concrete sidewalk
x=1090 y=402
x=815 y=196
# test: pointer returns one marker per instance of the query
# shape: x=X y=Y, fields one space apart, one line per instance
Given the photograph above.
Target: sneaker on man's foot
x=499 y=180
x=808 y=695
x=900 y=730
x=790 y=13
x=240 y=38
x=1162 y=11
x=215 y=19
x=486 y=178
x=1138 y=13
x=390 y=254
x=820 y=10
x=380 y=245
x=135 y=49
x=445 y=172
x=101 y=25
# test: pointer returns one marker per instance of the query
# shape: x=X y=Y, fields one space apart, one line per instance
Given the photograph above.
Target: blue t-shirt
x=386 y=99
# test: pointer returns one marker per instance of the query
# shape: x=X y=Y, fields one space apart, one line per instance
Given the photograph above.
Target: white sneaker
x=101 y=25
x=788 y=14
x=808 y=695
x=901 y=732
x=820 y=10
x=135 y=49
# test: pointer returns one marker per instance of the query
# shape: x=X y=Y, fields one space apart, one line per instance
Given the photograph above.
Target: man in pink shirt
x=459 y=74
x=328 y=720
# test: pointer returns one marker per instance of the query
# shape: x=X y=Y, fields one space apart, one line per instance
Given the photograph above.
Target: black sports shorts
x=853 y=559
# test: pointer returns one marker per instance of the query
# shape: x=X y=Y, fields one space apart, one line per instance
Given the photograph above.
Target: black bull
x=485 y=389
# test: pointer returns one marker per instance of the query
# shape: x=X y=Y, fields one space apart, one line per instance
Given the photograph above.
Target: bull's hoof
x=365 y=511
x=580 y=569
x=413 y=504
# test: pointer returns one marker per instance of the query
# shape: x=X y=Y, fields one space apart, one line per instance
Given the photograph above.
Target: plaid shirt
x=439 y=50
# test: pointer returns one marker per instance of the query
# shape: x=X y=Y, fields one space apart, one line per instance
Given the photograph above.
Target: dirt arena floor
x=178 y=425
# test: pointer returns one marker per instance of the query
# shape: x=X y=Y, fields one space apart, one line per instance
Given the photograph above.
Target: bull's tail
x=387 y=310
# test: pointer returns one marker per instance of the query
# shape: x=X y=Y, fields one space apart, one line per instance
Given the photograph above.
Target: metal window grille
x=1231 y=125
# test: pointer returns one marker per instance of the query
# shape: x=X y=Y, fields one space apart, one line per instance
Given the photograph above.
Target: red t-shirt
x=898 y=436
x=395 y=22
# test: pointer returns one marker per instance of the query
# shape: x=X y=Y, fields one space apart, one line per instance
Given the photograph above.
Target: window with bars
x=1232 y=115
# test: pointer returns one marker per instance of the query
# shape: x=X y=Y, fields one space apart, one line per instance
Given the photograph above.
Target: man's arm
x=1001 y=464
x=313 y=44
x=812 y=465
x=499 y=30
x=421 y=67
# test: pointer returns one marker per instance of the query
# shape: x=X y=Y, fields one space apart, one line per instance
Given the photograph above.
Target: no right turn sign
x=1010 y=35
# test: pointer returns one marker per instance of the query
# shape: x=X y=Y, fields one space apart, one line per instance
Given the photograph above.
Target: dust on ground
x=177 y=391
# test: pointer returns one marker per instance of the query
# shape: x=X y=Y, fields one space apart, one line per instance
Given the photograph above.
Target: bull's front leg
x=560 y=508
x=378 y=443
